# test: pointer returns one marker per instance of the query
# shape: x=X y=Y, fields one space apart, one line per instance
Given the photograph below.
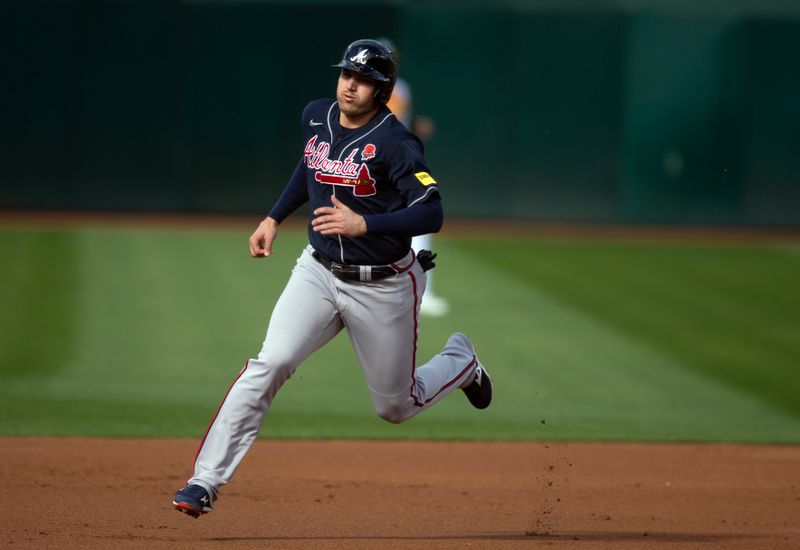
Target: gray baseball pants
x=381 y=319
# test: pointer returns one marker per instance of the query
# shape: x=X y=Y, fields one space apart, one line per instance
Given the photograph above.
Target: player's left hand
x=338 y=220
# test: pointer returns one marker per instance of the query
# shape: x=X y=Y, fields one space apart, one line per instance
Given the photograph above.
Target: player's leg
x=424 y=242
x=382 y=322
x=421 y=242
x=432 y=304
x=303 y=320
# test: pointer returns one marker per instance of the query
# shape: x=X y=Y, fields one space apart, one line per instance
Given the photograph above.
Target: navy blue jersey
x=377 y=170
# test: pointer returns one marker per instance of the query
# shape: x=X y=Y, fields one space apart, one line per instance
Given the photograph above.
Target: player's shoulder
x=390 y=124
x=404 y=138
x=318 y=108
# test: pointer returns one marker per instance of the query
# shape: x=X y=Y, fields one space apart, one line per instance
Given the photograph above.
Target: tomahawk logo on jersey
x=335 y=172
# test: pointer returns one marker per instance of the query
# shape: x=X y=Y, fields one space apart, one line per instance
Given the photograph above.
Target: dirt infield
x=116 y=493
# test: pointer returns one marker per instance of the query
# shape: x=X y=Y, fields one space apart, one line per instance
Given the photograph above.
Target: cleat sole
x=188 y=509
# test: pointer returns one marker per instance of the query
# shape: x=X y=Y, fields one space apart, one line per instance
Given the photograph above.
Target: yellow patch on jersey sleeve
x=425 y=178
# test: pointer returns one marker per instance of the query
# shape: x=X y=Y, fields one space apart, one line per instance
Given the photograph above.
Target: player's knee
x=392 y=417
x=393 y=410
x=282 y=366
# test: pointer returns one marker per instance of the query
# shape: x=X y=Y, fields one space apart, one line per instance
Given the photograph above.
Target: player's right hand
x=262 y=238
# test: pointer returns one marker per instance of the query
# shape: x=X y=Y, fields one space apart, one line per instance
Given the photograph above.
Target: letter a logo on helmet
x=360 y=57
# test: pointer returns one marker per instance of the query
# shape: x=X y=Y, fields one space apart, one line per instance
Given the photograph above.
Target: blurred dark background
x=604 y=111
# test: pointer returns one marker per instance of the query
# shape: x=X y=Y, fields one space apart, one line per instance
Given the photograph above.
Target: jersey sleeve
x=294 y=195
x=422 y=213
x=421 y=219
x=411 y=174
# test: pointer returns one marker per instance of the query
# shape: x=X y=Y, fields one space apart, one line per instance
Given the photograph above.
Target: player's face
x=354 y=94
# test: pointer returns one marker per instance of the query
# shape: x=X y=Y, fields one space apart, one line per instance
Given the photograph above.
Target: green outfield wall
x=645 y=112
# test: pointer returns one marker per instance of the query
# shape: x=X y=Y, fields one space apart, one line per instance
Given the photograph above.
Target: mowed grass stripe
x=41 y=288
x=727 y=311
x=168 y=317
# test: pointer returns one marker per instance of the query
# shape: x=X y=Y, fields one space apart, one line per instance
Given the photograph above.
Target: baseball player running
x=370 y=191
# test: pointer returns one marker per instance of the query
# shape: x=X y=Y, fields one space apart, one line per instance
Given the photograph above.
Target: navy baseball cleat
x=479 y=391
x=192 y=500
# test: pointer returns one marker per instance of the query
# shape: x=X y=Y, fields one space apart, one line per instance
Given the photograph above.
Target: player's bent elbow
x=437 y=217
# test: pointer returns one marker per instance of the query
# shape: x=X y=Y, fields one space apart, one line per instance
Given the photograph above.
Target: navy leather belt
x=349 y=272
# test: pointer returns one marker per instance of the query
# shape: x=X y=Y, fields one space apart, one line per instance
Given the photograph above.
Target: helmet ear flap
x=382 y=93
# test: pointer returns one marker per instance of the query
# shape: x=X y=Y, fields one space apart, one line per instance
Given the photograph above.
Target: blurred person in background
x=400 y=103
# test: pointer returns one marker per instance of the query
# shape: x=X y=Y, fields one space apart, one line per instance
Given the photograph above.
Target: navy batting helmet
x=372 y=59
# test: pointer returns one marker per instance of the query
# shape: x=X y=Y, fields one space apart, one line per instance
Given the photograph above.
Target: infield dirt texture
x=96 y=493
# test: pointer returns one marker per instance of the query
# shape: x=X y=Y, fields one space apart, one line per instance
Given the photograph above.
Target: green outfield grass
x=139 y=332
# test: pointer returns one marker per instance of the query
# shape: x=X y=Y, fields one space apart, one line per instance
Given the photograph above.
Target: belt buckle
x=365 y=274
